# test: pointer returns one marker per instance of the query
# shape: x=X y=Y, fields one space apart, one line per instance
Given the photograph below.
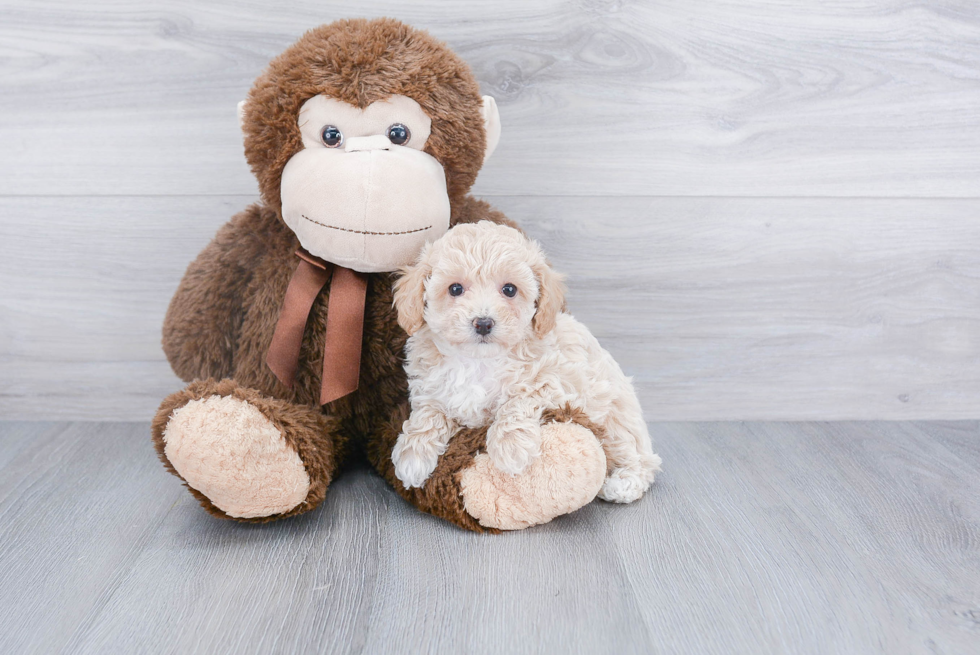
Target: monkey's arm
x=205 y=315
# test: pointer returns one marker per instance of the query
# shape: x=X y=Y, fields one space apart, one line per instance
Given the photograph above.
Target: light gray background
x=768 y=209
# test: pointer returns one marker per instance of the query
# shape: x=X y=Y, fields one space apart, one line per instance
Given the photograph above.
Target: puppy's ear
x=410 y=294
x=551 y=297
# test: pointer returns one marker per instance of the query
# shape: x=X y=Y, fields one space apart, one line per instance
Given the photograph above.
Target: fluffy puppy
x=491 y=345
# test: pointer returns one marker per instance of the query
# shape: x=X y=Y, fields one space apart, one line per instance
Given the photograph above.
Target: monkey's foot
x=229 y=451
x=567 y=475
x=244 y=455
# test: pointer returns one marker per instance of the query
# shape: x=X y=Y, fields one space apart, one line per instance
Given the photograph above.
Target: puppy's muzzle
x=483 y=325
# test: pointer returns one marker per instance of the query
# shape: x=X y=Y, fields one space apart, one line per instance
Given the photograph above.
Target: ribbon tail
x=345 y=331
x=305 y=285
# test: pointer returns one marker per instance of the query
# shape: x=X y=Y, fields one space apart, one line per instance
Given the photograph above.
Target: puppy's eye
x=455 y=289
x=398 y=134
x=331 y=136
x=509 y=290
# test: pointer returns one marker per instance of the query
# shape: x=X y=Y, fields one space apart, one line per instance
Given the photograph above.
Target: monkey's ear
x=491 y=123
x=410 y=294
x=241 y=114
x=551 y=297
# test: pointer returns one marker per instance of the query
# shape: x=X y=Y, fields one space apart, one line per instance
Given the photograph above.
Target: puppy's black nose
x=483 y=326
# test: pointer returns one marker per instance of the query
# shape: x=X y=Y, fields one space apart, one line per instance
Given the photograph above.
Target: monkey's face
x=362 y=193
x=363 y=135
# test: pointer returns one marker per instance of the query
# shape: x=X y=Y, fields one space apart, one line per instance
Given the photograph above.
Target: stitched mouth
x=376 y=234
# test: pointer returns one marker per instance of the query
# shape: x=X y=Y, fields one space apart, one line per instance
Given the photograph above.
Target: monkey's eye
x=509 y=290
x=331 y=136
x=398 y=134
x=455 y=289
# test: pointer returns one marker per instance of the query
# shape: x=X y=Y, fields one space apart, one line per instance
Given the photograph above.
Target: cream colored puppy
x=490 y=345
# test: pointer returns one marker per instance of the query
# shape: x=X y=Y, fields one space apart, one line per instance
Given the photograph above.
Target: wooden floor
x=758 y=538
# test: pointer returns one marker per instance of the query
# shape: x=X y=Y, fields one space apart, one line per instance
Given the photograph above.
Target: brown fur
x=361 y=61
x=441 y=494
x=221 y=325
x=222 y=317
x=569 y=414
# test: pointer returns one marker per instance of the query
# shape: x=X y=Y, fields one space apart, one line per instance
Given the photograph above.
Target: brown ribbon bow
x=345 y=325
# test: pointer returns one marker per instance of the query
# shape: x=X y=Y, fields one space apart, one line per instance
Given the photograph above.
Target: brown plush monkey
x=365 y=137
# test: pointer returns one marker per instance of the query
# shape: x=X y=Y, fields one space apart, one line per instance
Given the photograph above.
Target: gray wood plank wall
x=766 y=209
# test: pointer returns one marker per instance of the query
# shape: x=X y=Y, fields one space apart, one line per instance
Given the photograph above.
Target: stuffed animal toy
x=365 y=138
x=489 y=344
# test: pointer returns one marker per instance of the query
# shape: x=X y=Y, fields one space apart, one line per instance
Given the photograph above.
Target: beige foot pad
x=229 y=451
x=567 y=475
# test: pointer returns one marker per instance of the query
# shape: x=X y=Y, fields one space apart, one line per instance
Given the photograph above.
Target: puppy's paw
x=415 y=460
x=626 y=485
x=512 y=445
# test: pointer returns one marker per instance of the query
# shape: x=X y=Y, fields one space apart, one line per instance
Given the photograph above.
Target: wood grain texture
x=758 y=538
x=722 y=308
x=636 y=134
x=597 y=97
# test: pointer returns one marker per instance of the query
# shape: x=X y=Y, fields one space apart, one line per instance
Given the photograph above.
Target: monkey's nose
x=483 y=326
x=362 y=143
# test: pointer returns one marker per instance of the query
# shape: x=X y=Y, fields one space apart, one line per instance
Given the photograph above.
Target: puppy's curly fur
x=491 y=345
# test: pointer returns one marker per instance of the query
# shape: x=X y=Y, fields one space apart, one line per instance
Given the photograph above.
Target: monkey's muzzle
x=370 y=207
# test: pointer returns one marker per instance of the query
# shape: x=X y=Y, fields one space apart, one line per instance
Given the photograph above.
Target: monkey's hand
x=423 y=439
